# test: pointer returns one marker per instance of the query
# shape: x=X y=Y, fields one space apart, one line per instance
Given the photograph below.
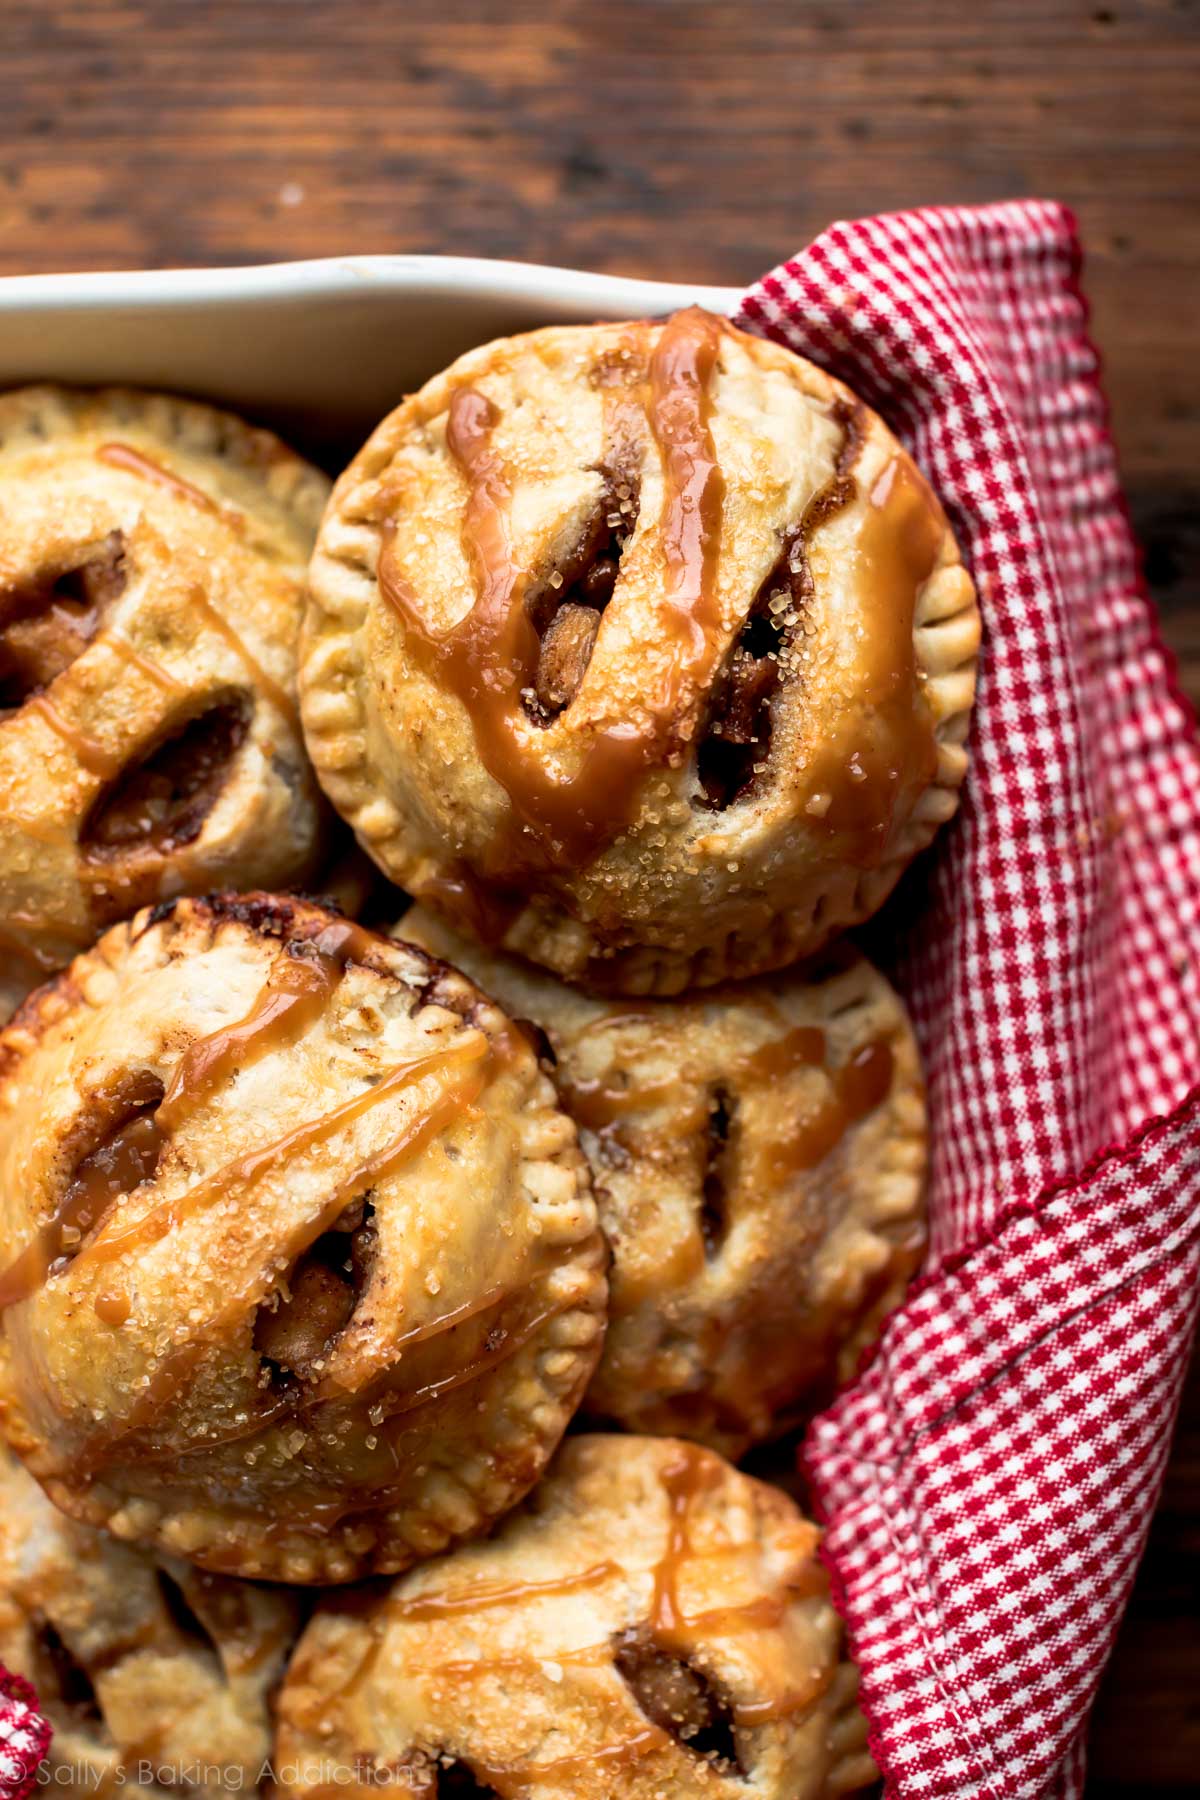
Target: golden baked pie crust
x=760 y=1157
x=146 y=1376
x=136 y=1659
x=152 y=565
x=575 y=1654
x=393 y=693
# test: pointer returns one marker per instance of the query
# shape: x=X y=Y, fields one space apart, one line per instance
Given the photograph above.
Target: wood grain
x=674 y=138
x=668 y=137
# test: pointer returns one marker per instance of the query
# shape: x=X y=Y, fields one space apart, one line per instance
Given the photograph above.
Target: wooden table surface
x=688 y=139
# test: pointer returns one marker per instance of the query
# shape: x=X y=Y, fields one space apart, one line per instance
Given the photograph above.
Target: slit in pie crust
x=759 y=1154
x=650 y=1622
x=301 y=1272
x=136 y=1659
x=644 y=650
x=152 y=567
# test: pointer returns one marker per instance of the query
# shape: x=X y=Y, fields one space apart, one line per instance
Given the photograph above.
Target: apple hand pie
x=642 y=649
x=301 y=1271
x=759 y=1154
x=152 y=567
x=650 y=1623
x=137 y=1660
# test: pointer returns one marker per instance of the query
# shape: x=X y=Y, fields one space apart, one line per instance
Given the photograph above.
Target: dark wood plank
x=652 y=136
x=676 y=138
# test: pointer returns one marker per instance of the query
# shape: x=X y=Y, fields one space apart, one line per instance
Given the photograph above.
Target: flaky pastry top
x=651 y=1623
x=643 y=649
x=301 y=1273
x=145 y=1666
x=759 y=1152
x=152 y=565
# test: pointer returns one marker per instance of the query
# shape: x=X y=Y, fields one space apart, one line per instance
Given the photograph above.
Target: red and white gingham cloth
x=988 y=1481
x=24 y=1737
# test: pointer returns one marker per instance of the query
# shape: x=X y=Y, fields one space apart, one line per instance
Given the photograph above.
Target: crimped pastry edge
x=539 y=1399
x=343 y=587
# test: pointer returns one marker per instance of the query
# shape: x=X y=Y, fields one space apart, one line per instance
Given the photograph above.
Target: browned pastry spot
x=45 y=626
x=163 y=802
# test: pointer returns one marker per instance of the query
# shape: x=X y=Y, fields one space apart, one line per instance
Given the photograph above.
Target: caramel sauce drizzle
x=173 y=1369
x=446 y=1321
x=855 y=1089
x=884 y=741
x=447 y=1605
x=244 y=1172
x=271 y=690
x=113 y=1307
x=135 y=462
x=680 y=377
x=295 y=993
x=413 y=1399
x=562 y=818
x=596 y=1104
x=692 y=1472
x=153 y=671
x=456 y=1315
x=91 y=755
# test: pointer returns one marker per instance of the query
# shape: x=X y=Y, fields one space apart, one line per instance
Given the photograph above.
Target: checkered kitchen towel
x=988 y=1482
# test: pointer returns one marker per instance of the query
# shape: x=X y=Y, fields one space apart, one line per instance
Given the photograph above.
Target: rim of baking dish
x=537 y=283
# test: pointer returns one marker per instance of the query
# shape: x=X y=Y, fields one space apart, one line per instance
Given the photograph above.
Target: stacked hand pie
x=642 y=656
x=152 y=558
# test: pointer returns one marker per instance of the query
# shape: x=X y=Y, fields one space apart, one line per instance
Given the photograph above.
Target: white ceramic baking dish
x=320 y=349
